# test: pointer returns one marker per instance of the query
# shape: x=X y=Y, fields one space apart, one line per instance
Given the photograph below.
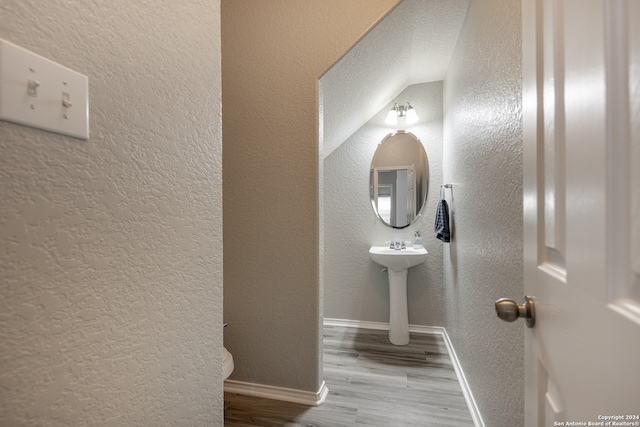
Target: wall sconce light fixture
x=406 y=111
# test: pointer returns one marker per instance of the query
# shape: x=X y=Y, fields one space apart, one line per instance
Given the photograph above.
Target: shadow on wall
x=450 y=251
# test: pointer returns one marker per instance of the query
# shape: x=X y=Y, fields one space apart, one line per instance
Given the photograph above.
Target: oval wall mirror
x=399 y=179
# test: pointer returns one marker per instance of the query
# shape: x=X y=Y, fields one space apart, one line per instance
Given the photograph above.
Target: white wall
x=354 y=286
x=412 y=44
x=111 y=259
x=482 y=158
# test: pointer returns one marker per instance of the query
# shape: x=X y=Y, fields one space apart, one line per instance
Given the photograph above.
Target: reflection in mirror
x=399 y=179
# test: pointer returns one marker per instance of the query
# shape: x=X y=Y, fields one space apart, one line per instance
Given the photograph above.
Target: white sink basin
x=397 y=260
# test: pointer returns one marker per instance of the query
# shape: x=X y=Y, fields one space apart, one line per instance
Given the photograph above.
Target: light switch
x=37 y=92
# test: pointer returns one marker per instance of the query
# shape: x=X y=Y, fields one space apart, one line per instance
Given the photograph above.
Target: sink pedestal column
x=398 y=262
x=398 y=312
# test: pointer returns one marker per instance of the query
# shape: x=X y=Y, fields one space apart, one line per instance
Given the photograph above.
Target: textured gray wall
x=273 y=54
x=355 y=288
x=412 y=44
x=111 y=259
x=482 y=158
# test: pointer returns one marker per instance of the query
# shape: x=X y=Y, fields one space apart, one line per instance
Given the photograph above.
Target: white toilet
x=227 y=364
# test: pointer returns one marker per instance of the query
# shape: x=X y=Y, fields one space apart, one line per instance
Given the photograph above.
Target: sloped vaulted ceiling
x=413 y=44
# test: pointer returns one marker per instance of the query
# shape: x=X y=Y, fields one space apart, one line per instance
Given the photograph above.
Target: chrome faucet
x=398 y=245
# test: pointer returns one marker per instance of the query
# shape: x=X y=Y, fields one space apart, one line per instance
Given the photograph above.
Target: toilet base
x=227 y=364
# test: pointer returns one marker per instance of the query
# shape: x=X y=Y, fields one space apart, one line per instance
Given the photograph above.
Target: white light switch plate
x=38 y=92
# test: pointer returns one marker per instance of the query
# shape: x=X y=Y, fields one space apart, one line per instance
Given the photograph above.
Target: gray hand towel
x=441 y=227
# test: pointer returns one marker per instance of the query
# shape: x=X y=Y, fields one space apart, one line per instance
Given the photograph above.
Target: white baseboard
x=466 y=390
x=303 y=397
x=436 y=330
x=347 y=323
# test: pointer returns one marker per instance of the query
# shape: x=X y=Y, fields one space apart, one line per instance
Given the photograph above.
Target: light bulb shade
x=412 y=116
x=392 y=117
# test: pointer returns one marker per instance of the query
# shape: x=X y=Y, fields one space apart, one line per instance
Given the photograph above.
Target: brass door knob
x=508 y=310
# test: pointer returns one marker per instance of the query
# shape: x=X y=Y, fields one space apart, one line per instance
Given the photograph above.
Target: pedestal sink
x=398 y=262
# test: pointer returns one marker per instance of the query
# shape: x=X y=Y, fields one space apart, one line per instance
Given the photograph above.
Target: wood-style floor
x=371 y=383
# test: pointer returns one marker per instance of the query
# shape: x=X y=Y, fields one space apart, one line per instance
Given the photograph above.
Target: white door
x=581 y=106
